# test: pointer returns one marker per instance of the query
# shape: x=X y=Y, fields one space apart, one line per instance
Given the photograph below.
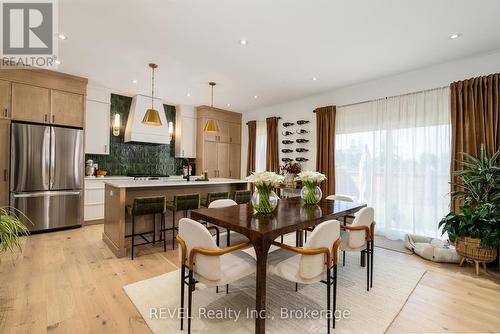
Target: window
x=394 y=155
x=260 y=149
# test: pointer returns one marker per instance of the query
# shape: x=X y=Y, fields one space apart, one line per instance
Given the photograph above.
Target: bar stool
x=147 y=206
x=212 y=196
x=242 y=196
x=182 y=203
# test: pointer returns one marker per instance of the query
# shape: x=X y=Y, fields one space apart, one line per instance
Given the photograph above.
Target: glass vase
x=264 y=200
x=311 y=194
x=290 y=180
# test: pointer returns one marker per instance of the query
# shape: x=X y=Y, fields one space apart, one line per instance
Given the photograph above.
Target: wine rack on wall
x=295 y=142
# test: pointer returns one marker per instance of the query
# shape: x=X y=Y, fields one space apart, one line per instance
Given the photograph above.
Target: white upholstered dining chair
x=313 y=263
x=206 y=263
x=358 y=237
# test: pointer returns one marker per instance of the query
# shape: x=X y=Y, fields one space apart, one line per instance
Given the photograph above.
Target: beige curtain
x=475 y=119
x=325 y=152
x=252 y=143
x=272 y=154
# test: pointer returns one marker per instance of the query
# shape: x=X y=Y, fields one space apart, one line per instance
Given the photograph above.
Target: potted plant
x=475 y=229
x=291 y=170
x=11 y=228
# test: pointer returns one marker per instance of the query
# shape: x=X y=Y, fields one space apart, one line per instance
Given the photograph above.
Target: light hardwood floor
x=70 y=282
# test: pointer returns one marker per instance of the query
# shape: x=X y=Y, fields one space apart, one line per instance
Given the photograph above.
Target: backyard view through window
x=397 y=160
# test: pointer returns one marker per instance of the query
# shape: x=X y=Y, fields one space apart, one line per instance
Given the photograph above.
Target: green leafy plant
x=479 y=187
x=11 y=228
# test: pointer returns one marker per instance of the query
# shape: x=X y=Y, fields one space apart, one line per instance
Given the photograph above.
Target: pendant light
x=152 y=116
x=211 y=126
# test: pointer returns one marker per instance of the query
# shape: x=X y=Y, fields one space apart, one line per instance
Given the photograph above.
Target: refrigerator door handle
x=46 y=193
x=52 y=156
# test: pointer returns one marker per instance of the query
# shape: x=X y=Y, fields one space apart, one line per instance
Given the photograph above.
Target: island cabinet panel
x=4 y=161
x=30 y=103
x=215 y=152
x=5 y=99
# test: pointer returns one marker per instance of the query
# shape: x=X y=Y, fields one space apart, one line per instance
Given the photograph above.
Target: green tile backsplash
x=137 y=158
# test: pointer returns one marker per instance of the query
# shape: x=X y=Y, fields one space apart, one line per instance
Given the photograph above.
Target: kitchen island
x=120 y=193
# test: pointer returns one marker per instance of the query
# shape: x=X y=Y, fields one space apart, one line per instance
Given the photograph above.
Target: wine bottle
x=302 y=131
x=286 y=159
x=301 y=159
x=286 y=150
x=287 y=133
x=286 y=142
x=302 y=122
x=287 y=124
x=302 y=141
x=301 y=150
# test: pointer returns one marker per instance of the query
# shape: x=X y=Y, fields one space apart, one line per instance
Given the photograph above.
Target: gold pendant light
x=152 y=116
x=211 y=126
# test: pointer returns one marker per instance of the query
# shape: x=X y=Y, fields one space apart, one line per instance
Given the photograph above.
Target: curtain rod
x=388 y=97
x=256 y=120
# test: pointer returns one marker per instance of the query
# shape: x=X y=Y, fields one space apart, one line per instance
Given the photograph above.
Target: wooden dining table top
x=290 y=215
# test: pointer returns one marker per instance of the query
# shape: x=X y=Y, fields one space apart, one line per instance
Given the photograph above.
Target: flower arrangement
x=264 y=199
x=311 y=193
x=292 y=168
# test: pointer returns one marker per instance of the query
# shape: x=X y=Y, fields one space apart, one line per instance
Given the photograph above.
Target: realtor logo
x=28 y=33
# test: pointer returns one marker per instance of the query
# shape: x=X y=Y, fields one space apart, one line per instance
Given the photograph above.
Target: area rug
x=157 y=299
x=393 y=245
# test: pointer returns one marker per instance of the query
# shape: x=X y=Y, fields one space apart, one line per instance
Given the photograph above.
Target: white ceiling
x=289 y=42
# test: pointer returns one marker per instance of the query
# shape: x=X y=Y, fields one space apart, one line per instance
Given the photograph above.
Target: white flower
x=309 y=176
x=267 y=179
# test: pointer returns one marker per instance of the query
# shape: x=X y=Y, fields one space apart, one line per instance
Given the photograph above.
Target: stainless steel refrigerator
x=47 y=174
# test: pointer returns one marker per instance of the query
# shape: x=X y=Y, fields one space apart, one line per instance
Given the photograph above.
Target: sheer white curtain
x=394 y=154
x=260 y=149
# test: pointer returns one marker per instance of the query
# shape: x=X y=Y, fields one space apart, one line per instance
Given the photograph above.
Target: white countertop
x=171 y=183
x=112 y=177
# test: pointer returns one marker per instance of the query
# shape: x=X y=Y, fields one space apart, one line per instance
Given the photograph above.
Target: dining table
x=290 y=215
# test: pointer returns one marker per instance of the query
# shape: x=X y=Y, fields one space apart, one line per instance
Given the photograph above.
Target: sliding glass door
x=394 y=154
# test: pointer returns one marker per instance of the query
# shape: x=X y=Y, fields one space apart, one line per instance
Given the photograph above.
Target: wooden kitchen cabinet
x=234 y=161
x=67 y=108
x=234 y=133
x=220 y=153
x=5 y=99
x=4 y=161
x=210 y=157
x=223 y=160
x=30 y=103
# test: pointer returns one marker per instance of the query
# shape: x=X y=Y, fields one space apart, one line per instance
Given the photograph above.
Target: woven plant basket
x=470 y=248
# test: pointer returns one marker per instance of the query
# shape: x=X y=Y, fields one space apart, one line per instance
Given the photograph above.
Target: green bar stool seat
x=213 y=196
x=182 y=203
x=242 y=196
x=147 y=206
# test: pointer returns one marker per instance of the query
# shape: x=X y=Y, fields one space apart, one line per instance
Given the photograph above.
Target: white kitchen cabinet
x=94 y=197
x=98 y=121
x=185 y=131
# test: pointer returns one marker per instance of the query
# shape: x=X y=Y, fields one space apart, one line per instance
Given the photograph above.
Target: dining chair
x=357 y=237
x=206 y=263
x=313 y=263
x=223 y=203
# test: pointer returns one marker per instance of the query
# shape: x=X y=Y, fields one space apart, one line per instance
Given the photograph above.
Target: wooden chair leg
x=484 y=266
x=462 y=262
x=476 y=263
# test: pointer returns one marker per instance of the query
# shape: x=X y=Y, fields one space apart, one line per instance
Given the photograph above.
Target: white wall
x=431 y=77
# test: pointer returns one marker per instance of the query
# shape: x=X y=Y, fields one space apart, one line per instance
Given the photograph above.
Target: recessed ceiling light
x=58 y=62
x=134 y=81
x=229 y=104
x=243 y=42
x=314 y=79
x=188 y=94
x=255 y=96
x=454 y=36
x=62 y=36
